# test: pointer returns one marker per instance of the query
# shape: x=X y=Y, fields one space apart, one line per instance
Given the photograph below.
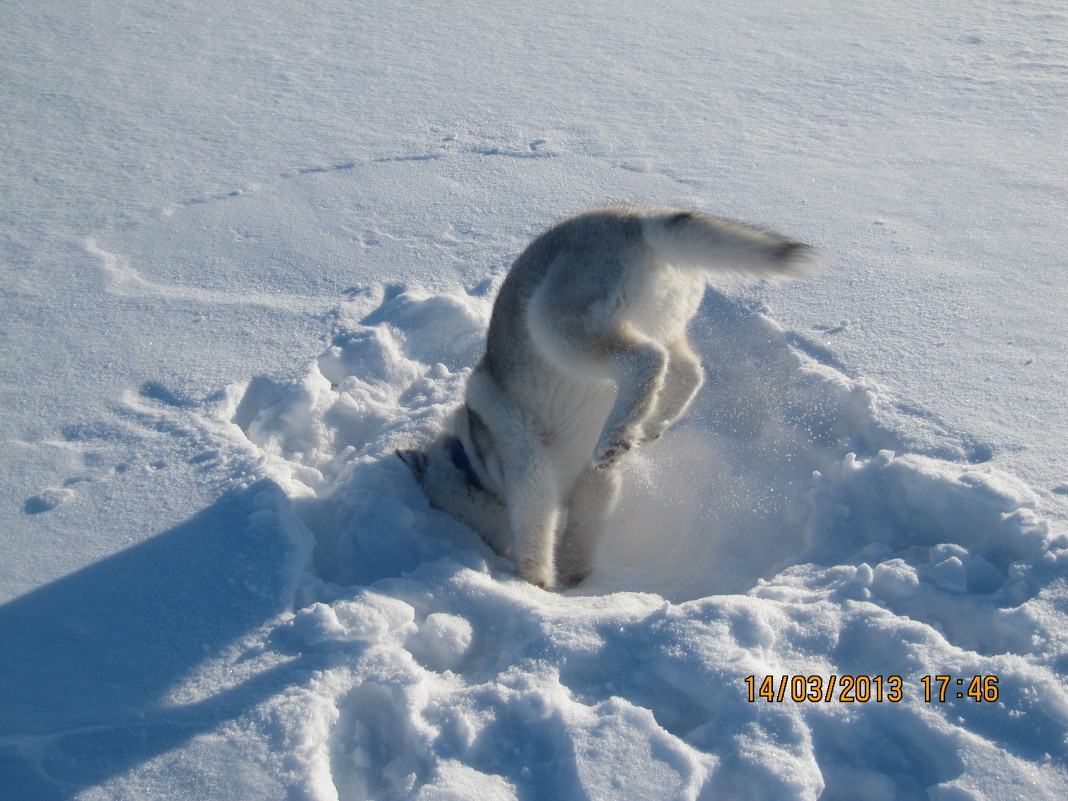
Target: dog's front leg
x=592 y=499
x=533 y=511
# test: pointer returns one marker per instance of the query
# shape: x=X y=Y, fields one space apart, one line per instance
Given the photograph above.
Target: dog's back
x=623 y=264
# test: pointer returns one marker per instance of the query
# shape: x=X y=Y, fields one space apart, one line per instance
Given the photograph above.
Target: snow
x=248 y=251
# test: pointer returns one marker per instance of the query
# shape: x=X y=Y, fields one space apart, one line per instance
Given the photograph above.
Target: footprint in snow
x=47 y=500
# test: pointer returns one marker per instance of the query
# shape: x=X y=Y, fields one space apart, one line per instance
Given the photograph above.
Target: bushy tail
x=691 y=239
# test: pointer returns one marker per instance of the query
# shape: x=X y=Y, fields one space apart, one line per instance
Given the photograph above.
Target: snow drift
x=774 y=532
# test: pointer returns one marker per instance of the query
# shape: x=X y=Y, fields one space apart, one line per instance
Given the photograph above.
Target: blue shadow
x=86 y=661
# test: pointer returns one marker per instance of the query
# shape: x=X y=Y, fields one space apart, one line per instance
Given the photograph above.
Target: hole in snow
x=779 y=461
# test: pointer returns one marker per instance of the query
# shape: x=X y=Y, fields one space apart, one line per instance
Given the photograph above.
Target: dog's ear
x=416 y=460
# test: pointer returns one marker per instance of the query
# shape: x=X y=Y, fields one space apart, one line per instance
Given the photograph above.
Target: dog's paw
x=538 y=578
x=607 y=455
x=537 y=572
x=650 y=433
x=570 y=580
x=653 y=430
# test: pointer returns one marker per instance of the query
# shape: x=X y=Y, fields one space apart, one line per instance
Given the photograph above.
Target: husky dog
x=586 y=358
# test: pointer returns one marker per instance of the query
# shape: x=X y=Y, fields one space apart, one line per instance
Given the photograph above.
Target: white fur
x=586 y=358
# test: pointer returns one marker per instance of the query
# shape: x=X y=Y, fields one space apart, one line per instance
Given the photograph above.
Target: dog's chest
x=573 y=411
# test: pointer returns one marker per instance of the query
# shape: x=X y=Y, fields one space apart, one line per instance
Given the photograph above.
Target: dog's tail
x=693 y=240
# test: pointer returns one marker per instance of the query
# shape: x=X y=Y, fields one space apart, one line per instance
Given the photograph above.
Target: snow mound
x=781 y=460
x=773 y=533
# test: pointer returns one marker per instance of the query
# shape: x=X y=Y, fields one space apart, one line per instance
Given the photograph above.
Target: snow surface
x=249 y=249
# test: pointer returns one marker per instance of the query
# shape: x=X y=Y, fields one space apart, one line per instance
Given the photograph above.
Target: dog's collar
x=463 y=464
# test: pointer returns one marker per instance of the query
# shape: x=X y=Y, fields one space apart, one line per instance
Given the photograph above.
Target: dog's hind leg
x=638 y=365
x=592 y=499
x=682 y=379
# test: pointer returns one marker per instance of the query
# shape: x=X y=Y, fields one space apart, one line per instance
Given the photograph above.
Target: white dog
x=586 y=357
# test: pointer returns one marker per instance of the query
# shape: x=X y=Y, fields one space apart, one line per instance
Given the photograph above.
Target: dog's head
x=453 y=485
